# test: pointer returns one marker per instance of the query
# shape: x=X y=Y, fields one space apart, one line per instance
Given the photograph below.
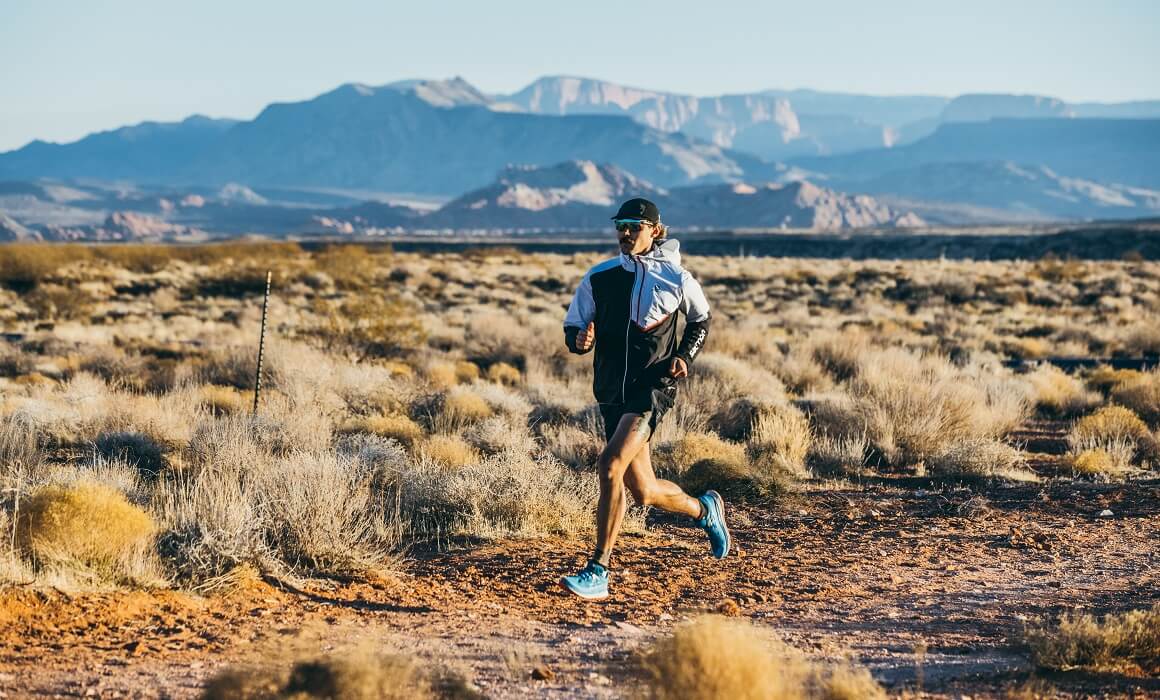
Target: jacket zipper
x=627 y=327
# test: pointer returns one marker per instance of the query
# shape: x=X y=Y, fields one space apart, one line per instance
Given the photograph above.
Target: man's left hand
x=678 y=369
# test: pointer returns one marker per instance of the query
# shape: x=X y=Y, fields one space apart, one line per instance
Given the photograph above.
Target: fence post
x=261 y=344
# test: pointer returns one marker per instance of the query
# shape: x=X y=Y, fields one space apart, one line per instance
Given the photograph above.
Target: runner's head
x=638 y=226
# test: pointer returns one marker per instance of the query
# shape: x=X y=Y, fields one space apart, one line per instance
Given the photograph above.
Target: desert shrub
x=780 y=440
x=839 y=354
x=843 y=455
x=1079 y=640
x=18 y=442
x=503 y=373
x=1108 y=458
x=981 y=457
x=1142 y=395
x=352 y=267
x=1116 y=431
x=503 y=494
x=461 y=407
x=673 y=458
x=912 y=407
x=86 y=524
x=732 y=479
x=1109 y=423
x=358 y=675
x=572 y=445
x=1104 y=379
x=503 y=399
x=735 y=419
x=441 y=374
x=135 y=449
x=730 y=377
x=14 y=362
x=1057 y=393
x=59 y=303
x=367 y=326
x=23 y=265
x=1144 y=339
x=247 y=498
x=714 y=657
x=499 y=434
x=393 y=425
x=221 y=400
x=466 y=371
x=449 y=451
x=235 y=367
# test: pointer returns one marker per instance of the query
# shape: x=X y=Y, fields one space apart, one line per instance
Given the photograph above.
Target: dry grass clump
x=1109 y=441
x=441 y=375
x=466 y=371
x=501 y=495
x=780 y=441
x=715 y=657
x=461 y=407
x=837 y=455
x=572 y=445
x=981 y=457
x=221 y=400
x=1142 y=395
x=1116 y=641
x=393 y=425
x=734 y=480
x=1109 y=423
x=503 y=373
x=911 y=406
x=1057 y=393
x=1104 y=379
x=135 y=449
x=247 y=497
x=449 y=451
x=359 y=675
x=674 y=458
x=85 y=524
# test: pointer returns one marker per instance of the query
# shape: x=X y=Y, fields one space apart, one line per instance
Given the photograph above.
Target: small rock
x=729 y=607
x=1105 y=513
x=627 y=627
x=541 y=672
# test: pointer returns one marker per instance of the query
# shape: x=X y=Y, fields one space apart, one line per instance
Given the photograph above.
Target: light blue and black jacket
x=634 y=301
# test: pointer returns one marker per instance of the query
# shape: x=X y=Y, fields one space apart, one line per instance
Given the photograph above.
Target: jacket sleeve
x=696 y=309
x=581 y=312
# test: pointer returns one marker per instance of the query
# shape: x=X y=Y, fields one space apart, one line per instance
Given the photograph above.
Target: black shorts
x=650 y=403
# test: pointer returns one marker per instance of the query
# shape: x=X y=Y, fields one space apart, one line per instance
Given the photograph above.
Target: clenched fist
x=586 y=338
x=678 y=368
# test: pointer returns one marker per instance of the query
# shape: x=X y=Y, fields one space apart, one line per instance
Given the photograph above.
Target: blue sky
x=70 y=68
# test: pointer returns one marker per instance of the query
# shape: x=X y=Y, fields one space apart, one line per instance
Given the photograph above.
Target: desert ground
x=922 y=506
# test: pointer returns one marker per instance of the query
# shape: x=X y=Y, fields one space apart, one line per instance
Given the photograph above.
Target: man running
x=627 y=308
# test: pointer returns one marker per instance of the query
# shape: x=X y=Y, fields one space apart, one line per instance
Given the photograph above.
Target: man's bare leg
x=648 y=490
x=632 y=434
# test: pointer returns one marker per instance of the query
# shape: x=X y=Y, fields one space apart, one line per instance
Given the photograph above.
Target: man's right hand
x=586 y=338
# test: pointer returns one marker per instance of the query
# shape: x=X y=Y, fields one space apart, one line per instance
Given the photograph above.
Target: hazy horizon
x=97 y=68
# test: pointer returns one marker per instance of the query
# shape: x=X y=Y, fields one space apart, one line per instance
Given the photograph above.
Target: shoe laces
x=589 y=574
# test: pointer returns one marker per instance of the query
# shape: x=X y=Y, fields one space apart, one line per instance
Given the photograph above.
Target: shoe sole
x=721 y=516
x=578 y=594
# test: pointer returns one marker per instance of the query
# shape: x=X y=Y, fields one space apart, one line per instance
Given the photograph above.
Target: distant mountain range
x=771 y=158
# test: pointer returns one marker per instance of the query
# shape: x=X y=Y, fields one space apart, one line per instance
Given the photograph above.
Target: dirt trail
x=875 y=572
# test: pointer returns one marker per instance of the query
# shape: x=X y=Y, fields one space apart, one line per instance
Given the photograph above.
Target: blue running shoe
x=714 y=524
x=591 y=583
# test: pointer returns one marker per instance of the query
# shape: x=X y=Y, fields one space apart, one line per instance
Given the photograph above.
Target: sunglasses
x=631 y=226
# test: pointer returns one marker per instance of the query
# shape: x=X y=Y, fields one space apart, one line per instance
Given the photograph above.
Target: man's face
x=635 y=237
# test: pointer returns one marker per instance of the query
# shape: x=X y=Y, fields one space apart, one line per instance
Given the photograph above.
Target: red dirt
x=875 y=571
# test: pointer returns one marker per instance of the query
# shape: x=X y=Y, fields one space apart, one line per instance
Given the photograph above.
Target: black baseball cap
x=640 y=209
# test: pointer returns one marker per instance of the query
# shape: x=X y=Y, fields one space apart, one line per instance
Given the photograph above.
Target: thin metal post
x=261 y=344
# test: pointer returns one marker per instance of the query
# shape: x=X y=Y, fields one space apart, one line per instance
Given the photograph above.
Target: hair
x=662 y=232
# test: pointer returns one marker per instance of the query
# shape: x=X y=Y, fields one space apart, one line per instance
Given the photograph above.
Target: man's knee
x=612 y=466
